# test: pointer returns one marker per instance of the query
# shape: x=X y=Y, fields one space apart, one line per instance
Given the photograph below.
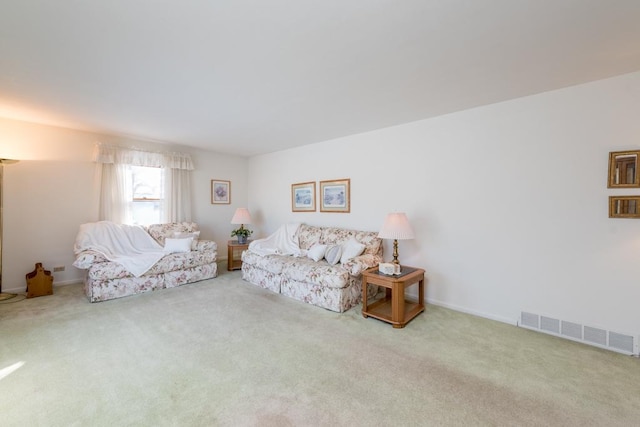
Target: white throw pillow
x=177 y=245
x=351 y=249
x=184 y=235
x=333 y=253
x=317 y=252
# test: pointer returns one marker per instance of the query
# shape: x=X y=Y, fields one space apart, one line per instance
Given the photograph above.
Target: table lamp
x=242 y=217
x=396 y=226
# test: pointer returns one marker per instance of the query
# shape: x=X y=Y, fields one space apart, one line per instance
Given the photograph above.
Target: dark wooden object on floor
x=39 y=282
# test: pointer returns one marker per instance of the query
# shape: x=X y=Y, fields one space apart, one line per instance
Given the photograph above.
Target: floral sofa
x=105 y=280
x=334 y=287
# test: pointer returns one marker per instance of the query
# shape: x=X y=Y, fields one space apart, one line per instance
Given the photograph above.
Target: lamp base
x=395 y=252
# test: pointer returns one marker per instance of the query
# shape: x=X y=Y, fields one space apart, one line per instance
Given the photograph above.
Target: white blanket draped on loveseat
x=106 y=279
x=128 y=245
x=284 y=241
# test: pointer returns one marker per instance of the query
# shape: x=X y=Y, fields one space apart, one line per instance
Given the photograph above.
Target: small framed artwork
x=623 y=169
x=303 y=197
x=335 y=196
x=220 y=192
x=624 y=206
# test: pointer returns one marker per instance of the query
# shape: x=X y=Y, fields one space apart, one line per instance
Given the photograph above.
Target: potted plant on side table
x=242 y=234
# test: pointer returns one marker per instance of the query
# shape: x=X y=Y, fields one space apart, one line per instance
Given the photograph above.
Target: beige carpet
x=224 y=352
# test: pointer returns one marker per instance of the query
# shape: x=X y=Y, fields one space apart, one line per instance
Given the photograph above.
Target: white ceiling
x=255 y=76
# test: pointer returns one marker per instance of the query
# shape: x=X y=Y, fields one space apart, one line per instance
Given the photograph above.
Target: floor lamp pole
x=3 y=295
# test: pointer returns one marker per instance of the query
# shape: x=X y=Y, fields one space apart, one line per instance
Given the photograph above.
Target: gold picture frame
x=335 y=196
x=623 y=169
x=303 y=197
x=220 y=192
x=624 y=206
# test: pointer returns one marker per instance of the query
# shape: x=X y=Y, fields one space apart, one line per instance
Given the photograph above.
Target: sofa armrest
x=86 y=259
x=206 y=245
x=360 y=263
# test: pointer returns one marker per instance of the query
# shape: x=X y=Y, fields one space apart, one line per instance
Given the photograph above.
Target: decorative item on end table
x=396 y=226
x=241 y=216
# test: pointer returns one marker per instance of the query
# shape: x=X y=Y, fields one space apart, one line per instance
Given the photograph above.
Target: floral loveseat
x=105 y=280
x=334 y=287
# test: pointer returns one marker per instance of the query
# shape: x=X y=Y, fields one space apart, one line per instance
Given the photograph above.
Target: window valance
x=130 y=156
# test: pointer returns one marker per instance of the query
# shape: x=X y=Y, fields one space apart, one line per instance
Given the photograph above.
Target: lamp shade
x=396 y=226
x=242 y=216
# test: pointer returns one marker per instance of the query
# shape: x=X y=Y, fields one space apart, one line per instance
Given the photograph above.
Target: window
x=143 y=187
x=148 y=195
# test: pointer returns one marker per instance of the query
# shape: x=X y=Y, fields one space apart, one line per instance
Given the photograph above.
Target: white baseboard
x=473 y=312
x=67 y=282
x=414 y=297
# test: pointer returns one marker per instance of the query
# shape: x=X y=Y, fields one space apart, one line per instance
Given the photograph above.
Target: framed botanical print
x=220 y=192
x=303 y=197
x=335 y=196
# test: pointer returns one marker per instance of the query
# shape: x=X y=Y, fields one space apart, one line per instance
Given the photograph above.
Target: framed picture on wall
x=303 y=197
x=220 y=192
x=335 y=196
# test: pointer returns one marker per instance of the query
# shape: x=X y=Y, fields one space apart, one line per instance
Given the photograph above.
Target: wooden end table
x=234 y=254
x=393 y=308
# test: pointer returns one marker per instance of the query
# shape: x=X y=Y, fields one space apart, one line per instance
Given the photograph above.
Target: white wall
x=215 y=220
x=508 y=201
x=54 y=189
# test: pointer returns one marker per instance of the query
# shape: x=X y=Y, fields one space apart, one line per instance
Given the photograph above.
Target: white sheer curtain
x=178 y=204
x=116 y=196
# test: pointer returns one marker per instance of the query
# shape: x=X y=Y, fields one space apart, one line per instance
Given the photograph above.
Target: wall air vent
x=571 y=329
x=595 y=335
x=622 y=343
x=531 y=320
x=550 y=325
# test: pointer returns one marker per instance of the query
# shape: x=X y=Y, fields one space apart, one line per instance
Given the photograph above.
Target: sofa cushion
x=320 y=272
x=206 y=245
x=170 y=262
x=195 y=236
x=181 y=261
x=372 y=243
x=86 y=259
x=270 y=263
x=351 y=249
x=308 y=235
x=357 y=265
x=161 y=231
x=172 y=245
x=333 y=254
x=317 y=252
x=338 y=236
